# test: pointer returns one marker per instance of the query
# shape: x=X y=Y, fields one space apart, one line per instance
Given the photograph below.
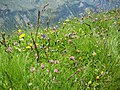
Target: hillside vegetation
x=78 y=54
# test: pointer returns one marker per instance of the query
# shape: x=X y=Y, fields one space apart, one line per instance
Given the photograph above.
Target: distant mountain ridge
x=16 y=14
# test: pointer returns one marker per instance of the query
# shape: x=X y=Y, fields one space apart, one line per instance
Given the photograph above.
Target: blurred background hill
x=16 y=14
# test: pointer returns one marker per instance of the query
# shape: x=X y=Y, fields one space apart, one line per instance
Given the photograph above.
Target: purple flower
x=56 y=26
x=96 y=19
x=43 y=36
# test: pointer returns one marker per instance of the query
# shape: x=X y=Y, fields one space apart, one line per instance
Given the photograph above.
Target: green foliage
x=74 y=56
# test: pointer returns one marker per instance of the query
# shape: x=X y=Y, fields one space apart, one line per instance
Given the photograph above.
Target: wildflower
x=93 y=21
x=19 y=30
x=75 y=18
x=28 y=47
x=56 y=26
x=89 y=13
x=51 y=61
x=115 y=23
x=80 y=58
x=66 y=35
x=102 y=29
x=29 y=84
x=97 y=78
x=74 y=33
x=15 y=43
x=57 y=61
x=90 y=82
x=102 y=73
x=43 y=36
x=52 y=50
x=72 y=58
x=94 y=54
x=58 y=22
x=41 y=46
x=70 y=41
x=9 y=49
x=64 y=23
x=106 y=19
x=32 y=69
x=42 y=66
x=81 y=21
x=30 y=44
x=67 y=20
x=96 y=19
x=22 y=36
x=77 y=51
x=56 y=70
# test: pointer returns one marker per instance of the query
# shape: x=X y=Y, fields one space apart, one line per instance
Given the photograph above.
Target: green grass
x=94 y=64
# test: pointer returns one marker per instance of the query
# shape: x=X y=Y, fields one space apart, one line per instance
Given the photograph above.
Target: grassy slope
x=96 y=52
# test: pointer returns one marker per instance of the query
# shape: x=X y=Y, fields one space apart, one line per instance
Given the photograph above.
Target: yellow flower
x=67 y=20
x=90 y=82
x=64 y=23
x=28 y=47
x=58 y=22
x=77 y=51
x=19 y=30
x=22 y=36
x=89 y=12
x=75 y=18
x=97 y=78
x=80 y=58
x=31 y=45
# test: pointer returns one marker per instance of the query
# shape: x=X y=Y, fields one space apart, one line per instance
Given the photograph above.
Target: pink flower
x=56 y=70
x=70 y=41
x=15 y=43
x=9 y=49
x=106 y=19
x=32 y=69
x=57 y=61
x=66 y=35
x=74 y=33
x=72 y=58
x=19 y=33
x=51 y=61
x=42 y=66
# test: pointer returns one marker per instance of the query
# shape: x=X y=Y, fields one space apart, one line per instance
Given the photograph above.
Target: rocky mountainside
x=17 y=13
